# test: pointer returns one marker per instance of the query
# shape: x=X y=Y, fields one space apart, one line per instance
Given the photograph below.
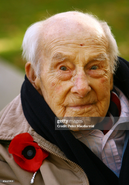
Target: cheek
x=104 y=80
x=102 y=88
x=57 y=92
x=55 y=88
x=104 y=83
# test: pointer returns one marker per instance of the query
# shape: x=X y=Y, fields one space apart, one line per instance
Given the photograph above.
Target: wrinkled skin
x=75 y=78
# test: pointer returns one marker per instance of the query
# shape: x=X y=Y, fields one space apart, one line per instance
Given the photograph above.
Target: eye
x=63 y=68
x=94 y=67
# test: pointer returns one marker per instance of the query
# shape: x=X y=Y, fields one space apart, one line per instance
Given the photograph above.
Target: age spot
x=81 y=44
x=52 y=84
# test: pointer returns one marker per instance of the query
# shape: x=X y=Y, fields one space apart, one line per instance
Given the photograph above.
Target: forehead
x=63 y=34
x=68 y=22
x=75 y=43
x=65 y=25
x=87 y=45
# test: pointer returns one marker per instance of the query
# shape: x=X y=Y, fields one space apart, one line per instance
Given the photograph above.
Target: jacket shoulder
x=12 y=120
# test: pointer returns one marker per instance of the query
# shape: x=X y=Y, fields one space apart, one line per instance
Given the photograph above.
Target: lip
x=81 y=106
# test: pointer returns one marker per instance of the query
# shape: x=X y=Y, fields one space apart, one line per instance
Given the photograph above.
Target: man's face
x=75 y=78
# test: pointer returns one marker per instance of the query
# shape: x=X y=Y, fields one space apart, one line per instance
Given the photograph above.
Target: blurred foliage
x=17 y=15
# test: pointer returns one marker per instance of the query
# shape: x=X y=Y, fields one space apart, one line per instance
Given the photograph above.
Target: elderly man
x=72 y=70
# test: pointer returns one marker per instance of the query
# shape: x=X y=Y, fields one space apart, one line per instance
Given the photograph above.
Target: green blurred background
x=17 y=15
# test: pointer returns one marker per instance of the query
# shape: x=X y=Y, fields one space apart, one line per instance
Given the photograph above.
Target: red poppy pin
x=27 y=153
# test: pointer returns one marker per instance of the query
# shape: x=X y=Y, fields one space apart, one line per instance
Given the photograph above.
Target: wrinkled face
x=75 y=78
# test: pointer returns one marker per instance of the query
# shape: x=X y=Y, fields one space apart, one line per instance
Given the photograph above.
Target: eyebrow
x=59 y=56
x=100 y=57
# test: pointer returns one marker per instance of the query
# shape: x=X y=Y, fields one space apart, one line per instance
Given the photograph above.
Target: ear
x=111 y=81
x=30 y=73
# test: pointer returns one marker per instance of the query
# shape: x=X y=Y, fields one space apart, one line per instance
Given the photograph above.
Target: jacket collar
x=13 y=122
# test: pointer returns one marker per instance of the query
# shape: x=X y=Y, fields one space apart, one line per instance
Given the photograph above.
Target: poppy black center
x=29 y=152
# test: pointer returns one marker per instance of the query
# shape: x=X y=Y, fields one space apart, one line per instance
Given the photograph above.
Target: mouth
x=81 y=106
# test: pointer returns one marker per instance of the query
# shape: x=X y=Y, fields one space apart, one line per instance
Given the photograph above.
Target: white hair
x=30 y=45
x=31 y=42
x=113 y=51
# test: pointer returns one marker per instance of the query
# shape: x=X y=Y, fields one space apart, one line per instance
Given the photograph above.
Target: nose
x=81 y=85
